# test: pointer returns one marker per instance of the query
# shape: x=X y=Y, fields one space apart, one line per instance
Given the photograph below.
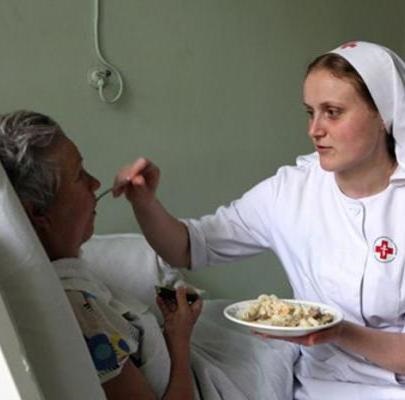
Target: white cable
x=109 y=66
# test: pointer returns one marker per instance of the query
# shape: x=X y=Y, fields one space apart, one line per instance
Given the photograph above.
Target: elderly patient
x=46 y=170
x=134 y=359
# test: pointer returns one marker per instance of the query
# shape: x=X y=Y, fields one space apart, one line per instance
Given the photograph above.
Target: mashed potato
x=273 y=311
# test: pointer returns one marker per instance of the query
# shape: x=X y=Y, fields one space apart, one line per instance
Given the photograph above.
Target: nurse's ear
x=381 y=124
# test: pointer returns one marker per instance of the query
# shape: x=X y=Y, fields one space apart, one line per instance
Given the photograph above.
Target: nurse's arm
x=385 y=349
x=166 y=234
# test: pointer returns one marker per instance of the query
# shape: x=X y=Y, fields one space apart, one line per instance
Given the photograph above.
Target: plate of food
x=283 y=317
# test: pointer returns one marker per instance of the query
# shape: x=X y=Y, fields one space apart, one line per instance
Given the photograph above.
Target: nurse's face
x=348 y=135
x=69 y=221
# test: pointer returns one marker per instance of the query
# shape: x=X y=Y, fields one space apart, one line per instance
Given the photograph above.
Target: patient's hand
x=179 y=320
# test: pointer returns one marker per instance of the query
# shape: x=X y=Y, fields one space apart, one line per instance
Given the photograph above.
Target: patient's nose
x=94 y=183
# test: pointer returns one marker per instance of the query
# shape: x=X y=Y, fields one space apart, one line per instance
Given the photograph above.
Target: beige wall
x=212 y=93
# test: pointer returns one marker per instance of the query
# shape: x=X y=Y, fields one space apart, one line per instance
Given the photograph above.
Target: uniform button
x=355 y=210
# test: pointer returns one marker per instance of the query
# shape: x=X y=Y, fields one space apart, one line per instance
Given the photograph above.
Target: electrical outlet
x=98 y=77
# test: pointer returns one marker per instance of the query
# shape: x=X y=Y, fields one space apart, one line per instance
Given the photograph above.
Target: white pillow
x=129 y=266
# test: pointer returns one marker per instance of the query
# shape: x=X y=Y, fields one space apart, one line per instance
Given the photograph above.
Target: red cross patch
x=348 y=45
x=384 y=249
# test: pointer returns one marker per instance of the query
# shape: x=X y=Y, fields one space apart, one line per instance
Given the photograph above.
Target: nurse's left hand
x=330 y=335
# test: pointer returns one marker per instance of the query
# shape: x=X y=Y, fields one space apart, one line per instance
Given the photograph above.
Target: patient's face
x=70 y=219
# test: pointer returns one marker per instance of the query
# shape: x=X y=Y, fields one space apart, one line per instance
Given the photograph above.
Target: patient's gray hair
x=25 y=137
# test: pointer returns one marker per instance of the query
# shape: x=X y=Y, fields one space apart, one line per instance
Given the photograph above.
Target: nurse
x=334 y=220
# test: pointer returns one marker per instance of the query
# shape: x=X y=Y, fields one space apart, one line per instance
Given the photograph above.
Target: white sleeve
x=239 y=230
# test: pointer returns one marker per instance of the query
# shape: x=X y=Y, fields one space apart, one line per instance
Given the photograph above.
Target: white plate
x=234 y=311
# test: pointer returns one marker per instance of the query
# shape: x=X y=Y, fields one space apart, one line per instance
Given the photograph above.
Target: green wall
x=212 y=94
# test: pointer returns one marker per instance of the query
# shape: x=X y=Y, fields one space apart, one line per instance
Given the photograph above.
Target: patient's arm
x=178 y=326
x=167 y=235
x=179 y=323
x=130 y=384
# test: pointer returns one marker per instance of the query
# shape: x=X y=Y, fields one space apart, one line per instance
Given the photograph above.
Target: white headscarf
x=383 y=72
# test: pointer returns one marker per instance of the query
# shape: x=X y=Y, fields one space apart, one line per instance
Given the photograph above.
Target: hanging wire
x=110 y=68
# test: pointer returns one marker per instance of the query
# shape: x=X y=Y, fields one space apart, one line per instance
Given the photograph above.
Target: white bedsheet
x=230 y=363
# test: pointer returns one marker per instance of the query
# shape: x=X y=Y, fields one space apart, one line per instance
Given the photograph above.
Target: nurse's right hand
x=138 y=181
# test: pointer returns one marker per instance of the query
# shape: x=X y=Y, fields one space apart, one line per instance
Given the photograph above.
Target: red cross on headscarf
x=348 y=45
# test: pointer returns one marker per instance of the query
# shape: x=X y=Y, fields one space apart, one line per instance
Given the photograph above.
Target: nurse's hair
x=25 y=137
x=341 y=68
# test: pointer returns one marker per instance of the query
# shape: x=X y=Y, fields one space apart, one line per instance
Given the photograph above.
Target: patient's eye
x=80 y=174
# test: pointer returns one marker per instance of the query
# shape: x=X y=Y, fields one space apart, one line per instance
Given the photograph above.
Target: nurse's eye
x=309 y=112
x=333 y=112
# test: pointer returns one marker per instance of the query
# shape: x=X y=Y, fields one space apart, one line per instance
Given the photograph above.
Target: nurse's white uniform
x=347 y=253
x=332 y=248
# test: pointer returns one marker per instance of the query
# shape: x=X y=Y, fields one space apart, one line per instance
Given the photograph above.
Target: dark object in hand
x=169 y=294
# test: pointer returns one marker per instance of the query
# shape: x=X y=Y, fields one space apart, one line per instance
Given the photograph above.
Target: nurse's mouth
x=322 y=149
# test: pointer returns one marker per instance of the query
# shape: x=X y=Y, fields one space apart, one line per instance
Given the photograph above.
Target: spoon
x=102 y=194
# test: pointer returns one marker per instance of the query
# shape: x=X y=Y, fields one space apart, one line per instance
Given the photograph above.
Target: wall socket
x=98 y=77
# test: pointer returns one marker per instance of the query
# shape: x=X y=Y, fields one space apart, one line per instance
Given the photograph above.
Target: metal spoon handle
x=102 y=194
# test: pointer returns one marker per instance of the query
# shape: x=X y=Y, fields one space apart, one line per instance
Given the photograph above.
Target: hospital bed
x=41 y=345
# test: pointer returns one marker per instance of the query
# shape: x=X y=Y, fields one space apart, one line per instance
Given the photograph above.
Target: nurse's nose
x=315 y=127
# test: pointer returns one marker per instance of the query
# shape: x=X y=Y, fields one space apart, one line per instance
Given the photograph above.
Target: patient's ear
x=38 y=219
